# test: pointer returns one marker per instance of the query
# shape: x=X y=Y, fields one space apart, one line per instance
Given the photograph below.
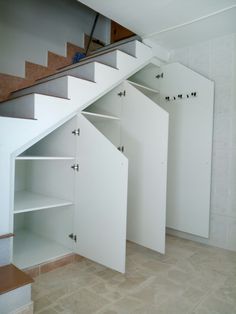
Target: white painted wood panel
x=190 y=149
x=144 y=134
x=97 y=116
x=60 y=143
x=101 y=191
x=31 y=249
x=26 y=201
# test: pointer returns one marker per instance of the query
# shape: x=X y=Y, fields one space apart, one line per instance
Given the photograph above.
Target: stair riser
x=85 y=72
x=19 y=108
x=129 y=48
x=57 y=87
x=108 y=59
x=143 y=51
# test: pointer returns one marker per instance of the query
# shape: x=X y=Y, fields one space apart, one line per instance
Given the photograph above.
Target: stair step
x=84 y=71
x=104 y=57
x=13 y=97
x=12 y=278
x=121 y=45
x=56 y=61
x=108 y=59
x=35 y=71
x=71 y=51
x=53 y=86
x=23 y=106
x=9 y=83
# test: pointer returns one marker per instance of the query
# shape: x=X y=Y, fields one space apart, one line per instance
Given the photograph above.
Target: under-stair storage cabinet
x=44 y=198
x=188 y=97
x=74 y=191
x=138 y=128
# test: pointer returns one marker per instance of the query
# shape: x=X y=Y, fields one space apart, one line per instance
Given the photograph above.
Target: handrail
x=7 y=235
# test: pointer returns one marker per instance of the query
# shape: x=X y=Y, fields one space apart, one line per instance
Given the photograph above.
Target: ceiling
x=171 y=23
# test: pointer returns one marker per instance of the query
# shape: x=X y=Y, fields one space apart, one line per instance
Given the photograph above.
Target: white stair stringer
x=47 y=112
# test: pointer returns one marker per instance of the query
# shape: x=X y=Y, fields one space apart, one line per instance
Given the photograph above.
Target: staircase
x=33 y=71
x=33 y=112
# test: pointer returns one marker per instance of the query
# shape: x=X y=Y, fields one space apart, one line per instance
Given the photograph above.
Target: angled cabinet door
x=101 y=198
x=144 y=135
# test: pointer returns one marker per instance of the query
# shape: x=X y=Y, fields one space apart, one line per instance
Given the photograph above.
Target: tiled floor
x=190 y=278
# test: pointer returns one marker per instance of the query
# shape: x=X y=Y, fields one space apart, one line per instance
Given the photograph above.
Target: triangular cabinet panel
x=144 y=136
x=101 y=197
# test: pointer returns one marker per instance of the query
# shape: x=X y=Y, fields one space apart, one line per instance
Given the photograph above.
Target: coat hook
x=158 y=76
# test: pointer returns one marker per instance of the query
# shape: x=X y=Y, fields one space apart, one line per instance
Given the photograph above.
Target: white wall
x=29 y=28
x=216 y=59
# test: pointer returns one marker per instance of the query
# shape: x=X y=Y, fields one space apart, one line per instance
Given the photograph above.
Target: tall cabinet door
x=144 y=135
x=101 y=198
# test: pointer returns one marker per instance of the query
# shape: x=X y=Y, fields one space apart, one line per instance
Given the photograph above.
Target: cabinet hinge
x=122 y=93
x=73 y=237
x=76 y=132
x=75 y=167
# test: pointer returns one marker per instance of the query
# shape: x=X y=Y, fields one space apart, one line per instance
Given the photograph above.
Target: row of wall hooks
x=181 y=96
x=161 y=75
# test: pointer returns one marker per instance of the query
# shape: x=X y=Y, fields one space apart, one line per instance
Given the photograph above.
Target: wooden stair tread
x=45 y=80
x=90 y=57
x=33 y=93
x=62 y=70
x=12 y=278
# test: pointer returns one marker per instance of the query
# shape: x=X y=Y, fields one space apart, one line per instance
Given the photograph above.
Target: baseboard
x=52 y=264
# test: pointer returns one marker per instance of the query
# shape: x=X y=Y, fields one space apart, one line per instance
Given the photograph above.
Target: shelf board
x=144 y=87
x=99 y=115
x=43 y=158
x=27 y=201
x=30 y=249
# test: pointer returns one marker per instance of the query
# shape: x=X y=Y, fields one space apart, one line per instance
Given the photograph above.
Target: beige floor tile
x=176 y=305
x=48 y=311
x=190 y=278
x=214 y=306
x=126 y=305
x=227 y=294
x=83 y=301
x=41 y=304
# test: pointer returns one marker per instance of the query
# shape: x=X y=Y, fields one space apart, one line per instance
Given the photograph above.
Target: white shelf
x=30 y=249
x=27 y=201
x=99 y=116
x=144 y=87
x=43 y=158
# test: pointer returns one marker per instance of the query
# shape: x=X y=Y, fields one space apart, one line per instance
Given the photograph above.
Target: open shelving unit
x=44 y=199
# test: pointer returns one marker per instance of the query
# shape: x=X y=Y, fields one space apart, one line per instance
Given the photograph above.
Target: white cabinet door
x=101 y=192
x=144 y=129
x=190 y=149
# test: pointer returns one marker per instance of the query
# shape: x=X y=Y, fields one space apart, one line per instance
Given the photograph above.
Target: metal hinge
x=75 y=167
x=122 y=93
x=73 y=237
x=76 y=132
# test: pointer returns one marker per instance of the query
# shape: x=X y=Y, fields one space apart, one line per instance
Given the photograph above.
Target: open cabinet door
x=101 y=192
x=144 y=135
